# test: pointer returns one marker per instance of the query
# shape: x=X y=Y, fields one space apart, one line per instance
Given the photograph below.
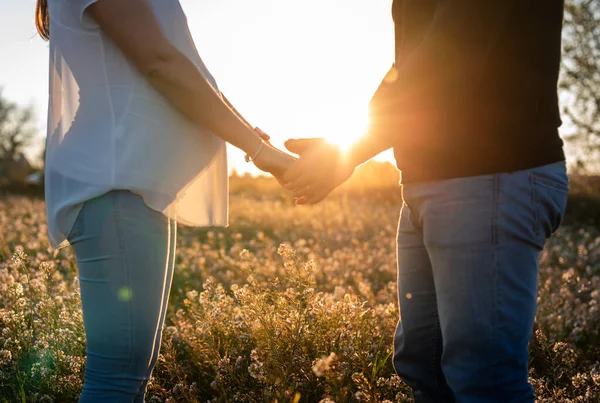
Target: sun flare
x=344 y=126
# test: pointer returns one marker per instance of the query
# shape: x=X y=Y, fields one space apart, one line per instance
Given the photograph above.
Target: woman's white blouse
x=109 y=129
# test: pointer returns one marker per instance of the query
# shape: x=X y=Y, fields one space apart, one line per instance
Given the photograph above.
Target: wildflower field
x=288 y=304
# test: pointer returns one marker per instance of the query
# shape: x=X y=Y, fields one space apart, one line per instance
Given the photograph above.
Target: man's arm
x=453 y=51
x=366 y=147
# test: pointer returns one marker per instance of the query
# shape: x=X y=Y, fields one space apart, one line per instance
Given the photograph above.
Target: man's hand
x=320 y=169
x=300 y=146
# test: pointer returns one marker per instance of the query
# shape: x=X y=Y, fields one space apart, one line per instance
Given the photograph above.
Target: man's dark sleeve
x=450 y=56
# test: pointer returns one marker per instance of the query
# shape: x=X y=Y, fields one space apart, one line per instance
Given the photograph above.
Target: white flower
x=323 y=364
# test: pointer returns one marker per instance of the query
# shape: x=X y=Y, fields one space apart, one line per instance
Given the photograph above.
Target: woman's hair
x=42 y=19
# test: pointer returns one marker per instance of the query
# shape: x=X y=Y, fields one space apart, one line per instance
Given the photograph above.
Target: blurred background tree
x=580 y=79
x=17 y=132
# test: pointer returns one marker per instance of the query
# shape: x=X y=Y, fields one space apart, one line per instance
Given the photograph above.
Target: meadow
x=287 y=304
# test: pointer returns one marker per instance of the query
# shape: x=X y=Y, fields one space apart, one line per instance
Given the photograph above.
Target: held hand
x=300 y=146
x=273 y=161
x=320 y=169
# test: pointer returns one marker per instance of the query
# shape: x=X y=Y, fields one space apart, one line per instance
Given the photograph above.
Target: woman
x=136 y=143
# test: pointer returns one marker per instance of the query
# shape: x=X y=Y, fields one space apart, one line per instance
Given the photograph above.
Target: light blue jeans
x=468 y=252
x=125 y=255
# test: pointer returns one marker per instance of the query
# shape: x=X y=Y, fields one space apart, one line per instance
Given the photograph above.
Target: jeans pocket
x=550 y=194
x=552 y=175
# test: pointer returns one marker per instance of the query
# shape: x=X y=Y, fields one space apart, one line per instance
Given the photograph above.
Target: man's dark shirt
x=493 y=106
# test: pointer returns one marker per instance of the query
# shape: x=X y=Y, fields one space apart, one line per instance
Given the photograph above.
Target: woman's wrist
x=252 y=142
x=253 y=157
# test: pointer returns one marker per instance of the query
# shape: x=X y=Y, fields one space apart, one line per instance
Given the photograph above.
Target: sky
x=293 y=68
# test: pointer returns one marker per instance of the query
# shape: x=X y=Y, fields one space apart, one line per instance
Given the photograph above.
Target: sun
x=342 y=126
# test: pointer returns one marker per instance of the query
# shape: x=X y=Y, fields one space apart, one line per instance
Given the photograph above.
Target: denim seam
x=79 y=221
x=171 y=255
x=548 y=182
x=496 y=235
x=534 y=204
x=436 y=341
x=124 y=251
x=495 y=211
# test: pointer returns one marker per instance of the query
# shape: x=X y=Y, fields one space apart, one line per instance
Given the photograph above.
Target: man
x=471 y=110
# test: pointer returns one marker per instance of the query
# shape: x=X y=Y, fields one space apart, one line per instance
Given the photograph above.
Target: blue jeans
x=468 y=251
x=125 y=255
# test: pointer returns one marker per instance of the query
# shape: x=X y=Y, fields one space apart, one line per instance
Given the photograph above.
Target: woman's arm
x=135 y=30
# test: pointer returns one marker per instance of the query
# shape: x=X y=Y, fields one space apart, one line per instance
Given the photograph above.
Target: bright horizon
x=293 y=69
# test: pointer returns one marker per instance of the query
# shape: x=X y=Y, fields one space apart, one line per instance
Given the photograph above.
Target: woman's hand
x=321 y=168
x=273 y=161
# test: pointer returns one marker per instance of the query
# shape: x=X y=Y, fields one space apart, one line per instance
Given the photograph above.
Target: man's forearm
x=364 y=149
x=370 y=145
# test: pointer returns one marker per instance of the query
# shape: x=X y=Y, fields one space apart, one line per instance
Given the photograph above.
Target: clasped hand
x=319 y=170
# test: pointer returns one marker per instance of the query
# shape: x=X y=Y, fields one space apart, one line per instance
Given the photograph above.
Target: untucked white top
x=108 y=128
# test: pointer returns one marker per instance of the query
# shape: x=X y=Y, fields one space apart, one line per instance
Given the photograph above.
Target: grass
x=286 y=305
